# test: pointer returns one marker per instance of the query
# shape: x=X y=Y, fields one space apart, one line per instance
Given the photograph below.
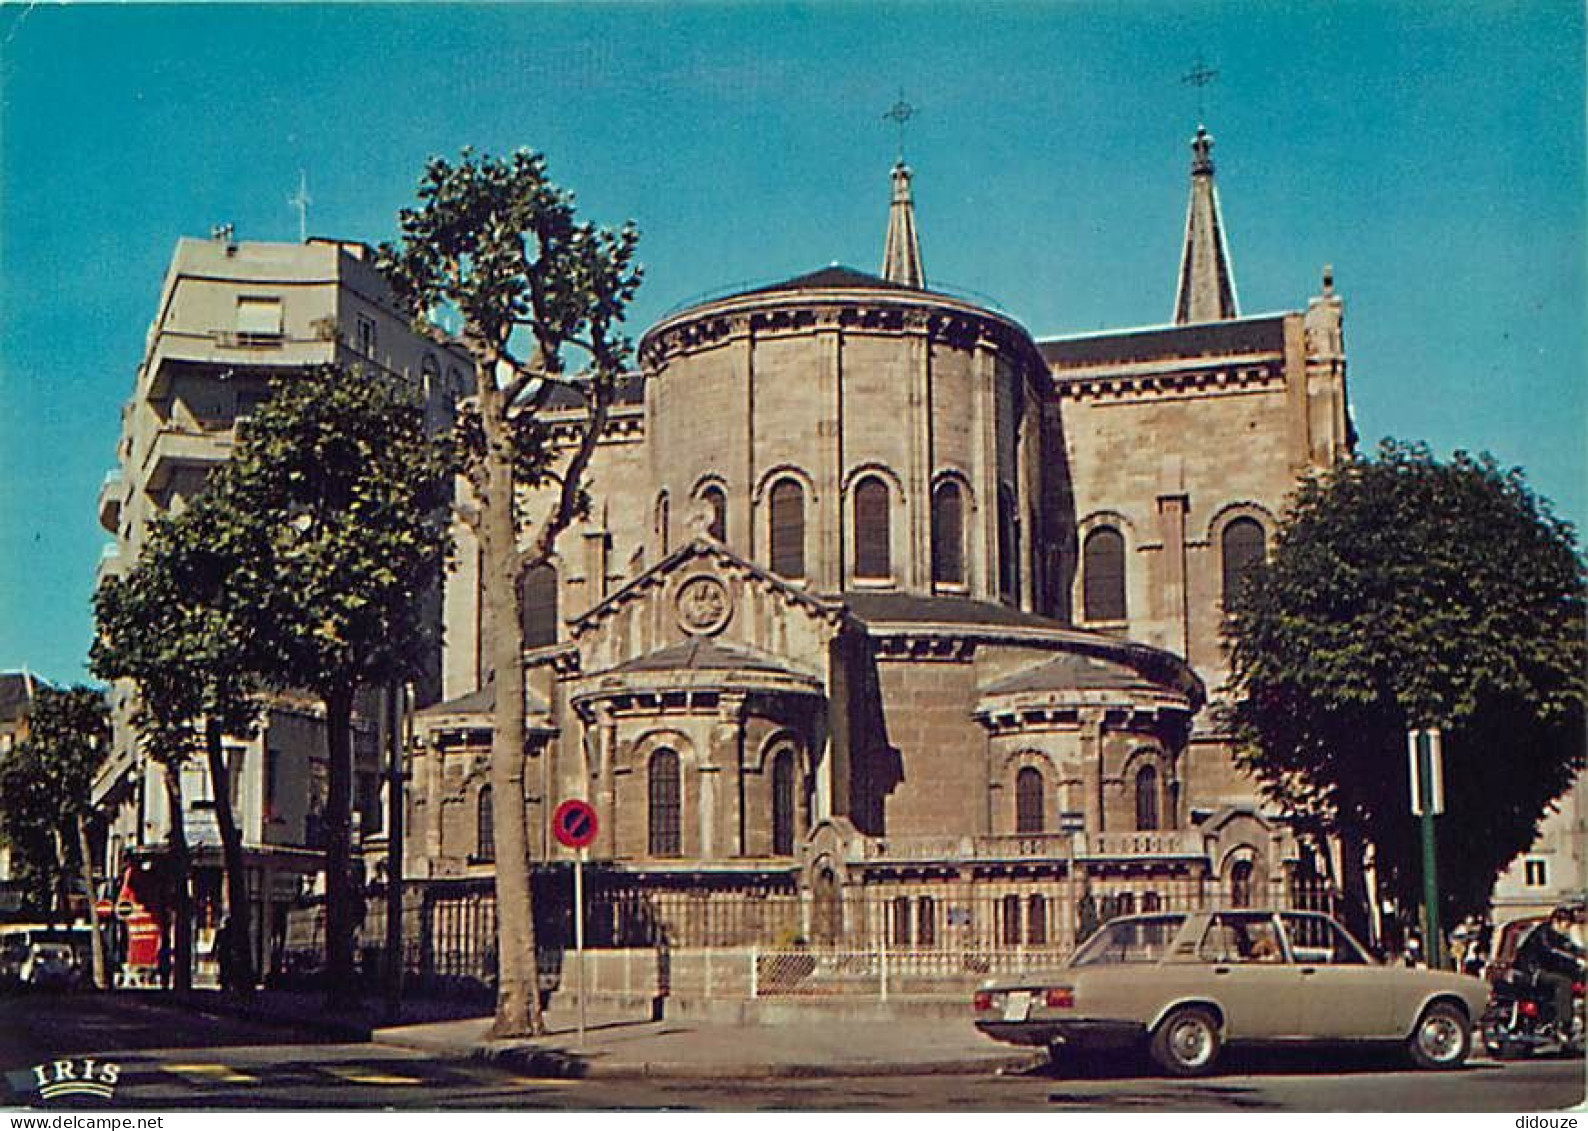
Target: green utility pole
x=1428 y=800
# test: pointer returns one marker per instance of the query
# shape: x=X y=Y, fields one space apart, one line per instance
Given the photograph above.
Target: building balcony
x=177 y=449
x=111 y=493
x=1164 y=844
x=205 y=350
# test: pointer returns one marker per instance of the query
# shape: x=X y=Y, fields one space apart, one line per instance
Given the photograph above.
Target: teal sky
x=1433 y=153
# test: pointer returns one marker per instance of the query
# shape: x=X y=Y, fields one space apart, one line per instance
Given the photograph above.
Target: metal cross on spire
x=899 y=113
x=1199 y=76
x=301 y=201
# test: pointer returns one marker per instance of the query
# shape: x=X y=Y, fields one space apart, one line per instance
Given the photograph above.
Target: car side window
x=1320 y=941
x=1241 y=938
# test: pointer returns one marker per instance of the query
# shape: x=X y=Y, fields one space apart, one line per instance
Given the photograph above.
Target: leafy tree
x=173 y=627
x=45 y=782
x=494 y=241
x=1402 y=593
x=332 y=518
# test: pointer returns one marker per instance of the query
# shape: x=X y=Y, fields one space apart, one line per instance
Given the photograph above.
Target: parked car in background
x=49 y=965
x=1186 y=985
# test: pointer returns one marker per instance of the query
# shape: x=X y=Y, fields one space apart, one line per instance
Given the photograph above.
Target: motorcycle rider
x=1554 y=960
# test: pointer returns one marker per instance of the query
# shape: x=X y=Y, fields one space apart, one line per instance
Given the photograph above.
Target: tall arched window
x=662 y=523
x=665 y=837
x=788 y=529
x=783 y=804
x=713 y=497
x=1008 y=546
x=1147 y=799
x=1029 y=817
x=948 y=534
x=1241 y=884
x=1244 y=549
x=1103 y=574
x=872 y=534
x=537 y=605
x=484 y=827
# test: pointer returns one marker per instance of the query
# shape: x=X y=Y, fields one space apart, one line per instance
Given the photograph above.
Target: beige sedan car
x=1185 y=985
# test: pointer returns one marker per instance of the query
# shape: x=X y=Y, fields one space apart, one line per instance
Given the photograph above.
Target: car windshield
x=1130 y=941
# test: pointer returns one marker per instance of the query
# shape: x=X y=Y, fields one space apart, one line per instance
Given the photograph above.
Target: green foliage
x=45 y=782
x=1403 y=592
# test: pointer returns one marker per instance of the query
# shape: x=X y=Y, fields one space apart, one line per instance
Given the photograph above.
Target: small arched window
x=1244 y=549
x=872 y=534
x=713 y=497
x=783 y=803
x=484 y=827
x=1008 y=546
x=1147 y=799
x=1103 y=575
x=662 y=523
x=948 y=534
x=1029 y=817
x=788 y=529
x=1241 y=884
x=665 y=837
x=537 y=605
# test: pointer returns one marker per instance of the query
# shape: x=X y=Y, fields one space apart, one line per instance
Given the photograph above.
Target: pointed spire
x=901 y=255
x=1207 y=281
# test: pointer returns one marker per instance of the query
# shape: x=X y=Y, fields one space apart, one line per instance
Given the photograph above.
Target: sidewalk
x=625 y=1041
x=629 y=1044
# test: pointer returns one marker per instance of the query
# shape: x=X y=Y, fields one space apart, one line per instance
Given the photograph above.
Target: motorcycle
x=1514 y=1023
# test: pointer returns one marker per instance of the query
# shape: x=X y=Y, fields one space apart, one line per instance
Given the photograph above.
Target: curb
x=560 y=1064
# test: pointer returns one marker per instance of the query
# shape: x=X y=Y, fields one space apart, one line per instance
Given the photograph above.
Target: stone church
x=891 y=621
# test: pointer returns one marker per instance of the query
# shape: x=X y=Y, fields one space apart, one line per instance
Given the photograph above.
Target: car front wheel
x=1441 y=1039
x=1187 y=1043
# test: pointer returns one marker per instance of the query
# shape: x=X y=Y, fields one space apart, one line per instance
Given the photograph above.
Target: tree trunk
x=96 y=940
x=238 y=963
x=518 y=1010
x=340 y=925
x=181 y=883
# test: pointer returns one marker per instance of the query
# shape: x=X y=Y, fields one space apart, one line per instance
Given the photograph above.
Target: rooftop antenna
x=899 y=113
x=301 y=201
x=1199 y=76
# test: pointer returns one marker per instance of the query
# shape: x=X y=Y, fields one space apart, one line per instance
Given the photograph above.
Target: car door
x=1244 y=970
x=1344 y=994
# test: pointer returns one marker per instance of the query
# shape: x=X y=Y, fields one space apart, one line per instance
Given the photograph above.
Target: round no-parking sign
x=574 y=824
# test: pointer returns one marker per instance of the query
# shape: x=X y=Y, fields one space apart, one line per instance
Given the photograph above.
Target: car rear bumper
x=1074 y=1034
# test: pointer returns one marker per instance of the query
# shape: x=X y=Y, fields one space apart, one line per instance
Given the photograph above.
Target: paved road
x=220 y=1063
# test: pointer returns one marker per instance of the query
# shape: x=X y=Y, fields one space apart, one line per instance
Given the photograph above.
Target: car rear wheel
x=1187 y=1043
x=1441 y=1039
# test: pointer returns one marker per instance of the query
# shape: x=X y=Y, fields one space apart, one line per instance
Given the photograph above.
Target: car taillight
x=982 y=1001
x=1530 y=1009
x=1577 y=989
x=1060 y=997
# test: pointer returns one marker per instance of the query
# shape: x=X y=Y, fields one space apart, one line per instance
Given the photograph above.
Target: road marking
x=211 y=1073
x=354 y=1074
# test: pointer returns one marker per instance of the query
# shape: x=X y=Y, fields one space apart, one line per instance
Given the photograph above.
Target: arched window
x=1244 y=549
x=662 y=520
x=1147 y=799
x=537 y=605
x=713 y=497
x=872 y=534
x=1029 y=817
x=788 y=529
x=1241 y=884
x=948 y=534
x=665 y=838
x=484 y=827
x=783 y=804
x=1008 y=546
x=1103 y=574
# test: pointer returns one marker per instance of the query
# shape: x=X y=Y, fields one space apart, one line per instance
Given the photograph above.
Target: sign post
x=574 y=825
x=1425 y=752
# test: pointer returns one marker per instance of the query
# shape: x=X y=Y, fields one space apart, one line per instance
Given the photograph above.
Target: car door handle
x=1309 y=969
x=1221 y=969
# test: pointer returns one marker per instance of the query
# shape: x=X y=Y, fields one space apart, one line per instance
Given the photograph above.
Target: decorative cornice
x=1164 y=384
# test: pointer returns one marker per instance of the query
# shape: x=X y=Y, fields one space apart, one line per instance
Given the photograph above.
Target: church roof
x=904 y=608
x=833 y=277
x=1206 y=291
x=704 y=654
x=1073 y=671
x=1259 y=334
x=481 y=701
